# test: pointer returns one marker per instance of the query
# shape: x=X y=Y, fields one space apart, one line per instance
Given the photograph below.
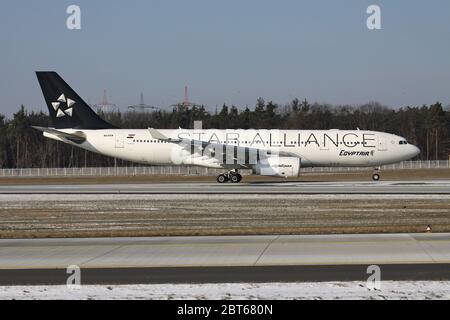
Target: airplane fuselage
x=315 y=148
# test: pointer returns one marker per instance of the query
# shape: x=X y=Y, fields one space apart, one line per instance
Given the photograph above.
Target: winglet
x=158 y=135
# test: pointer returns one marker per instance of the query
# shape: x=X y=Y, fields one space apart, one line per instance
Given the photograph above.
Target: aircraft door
x=382 y=144
x=119 y=140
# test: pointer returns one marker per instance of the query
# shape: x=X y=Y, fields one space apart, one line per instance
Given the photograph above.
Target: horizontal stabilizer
x=77 y=137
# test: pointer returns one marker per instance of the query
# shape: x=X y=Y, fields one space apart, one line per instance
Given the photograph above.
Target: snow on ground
x=11 y=198
x=323 y=290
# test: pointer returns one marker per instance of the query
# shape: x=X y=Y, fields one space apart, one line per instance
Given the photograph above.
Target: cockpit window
x=403 y=142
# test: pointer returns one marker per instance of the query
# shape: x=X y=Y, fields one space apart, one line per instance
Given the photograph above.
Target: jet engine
x=278 y=167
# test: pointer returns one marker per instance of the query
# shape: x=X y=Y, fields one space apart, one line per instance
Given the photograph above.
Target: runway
x=362 y=187
x=217 y=259
x=226 y=259
x=198 y=275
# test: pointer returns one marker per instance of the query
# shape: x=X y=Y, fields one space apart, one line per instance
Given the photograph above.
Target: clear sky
x=228 y=51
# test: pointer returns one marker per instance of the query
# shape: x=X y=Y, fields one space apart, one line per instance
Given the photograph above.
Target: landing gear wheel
x=222 y=178
x=376 y=177
x=236 y=178
x=231 y=176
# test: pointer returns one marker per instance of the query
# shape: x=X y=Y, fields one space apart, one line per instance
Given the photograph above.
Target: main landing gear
x=376 y=174
x=231 y=176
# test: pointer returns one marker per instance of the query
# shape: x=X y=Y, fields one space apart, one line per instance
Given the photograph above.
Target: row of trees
x=428 y=127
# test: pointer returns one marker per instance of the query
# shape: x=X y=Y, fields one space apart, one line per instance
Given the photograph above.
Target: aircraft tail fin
x=67 y=109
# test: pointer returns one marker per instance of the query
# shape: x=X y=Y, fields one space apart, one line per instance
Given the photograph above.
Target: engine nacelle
x=278 y=167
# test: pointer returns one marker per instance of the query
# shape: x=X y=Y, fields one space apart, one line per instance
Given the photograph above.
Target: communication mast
x=185 y=104
x=142 y=107
x=105 y=106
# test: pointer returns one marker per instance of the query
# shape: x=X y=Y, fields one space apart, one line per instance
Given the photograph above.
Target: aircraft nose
x=415 y=151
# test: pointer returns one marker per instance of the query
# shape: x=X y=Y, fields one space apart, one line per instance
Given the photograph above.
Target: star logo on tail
x=63 y=106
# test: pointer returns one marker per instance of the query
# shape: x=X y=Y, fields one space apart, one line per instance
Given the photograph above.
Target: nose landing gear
x=231 y=176
x=376 y=174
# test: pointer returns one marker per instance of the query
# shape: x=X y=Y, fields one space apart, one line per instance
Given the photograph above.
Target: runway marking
x=423 y=246
x=265 y=249
x=102 y=255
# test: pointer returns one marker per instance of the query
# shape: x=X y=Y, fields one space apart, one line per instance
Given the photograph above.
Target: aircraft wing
x=78 y=137
x=233 y=151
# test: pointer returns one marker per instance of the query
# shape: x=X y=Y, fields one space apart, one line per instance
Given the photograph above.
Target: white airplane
x=280 y=153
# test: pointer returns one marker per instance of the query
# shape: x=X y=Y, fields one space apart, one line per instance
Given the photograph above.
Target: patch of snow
x=410 y=290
